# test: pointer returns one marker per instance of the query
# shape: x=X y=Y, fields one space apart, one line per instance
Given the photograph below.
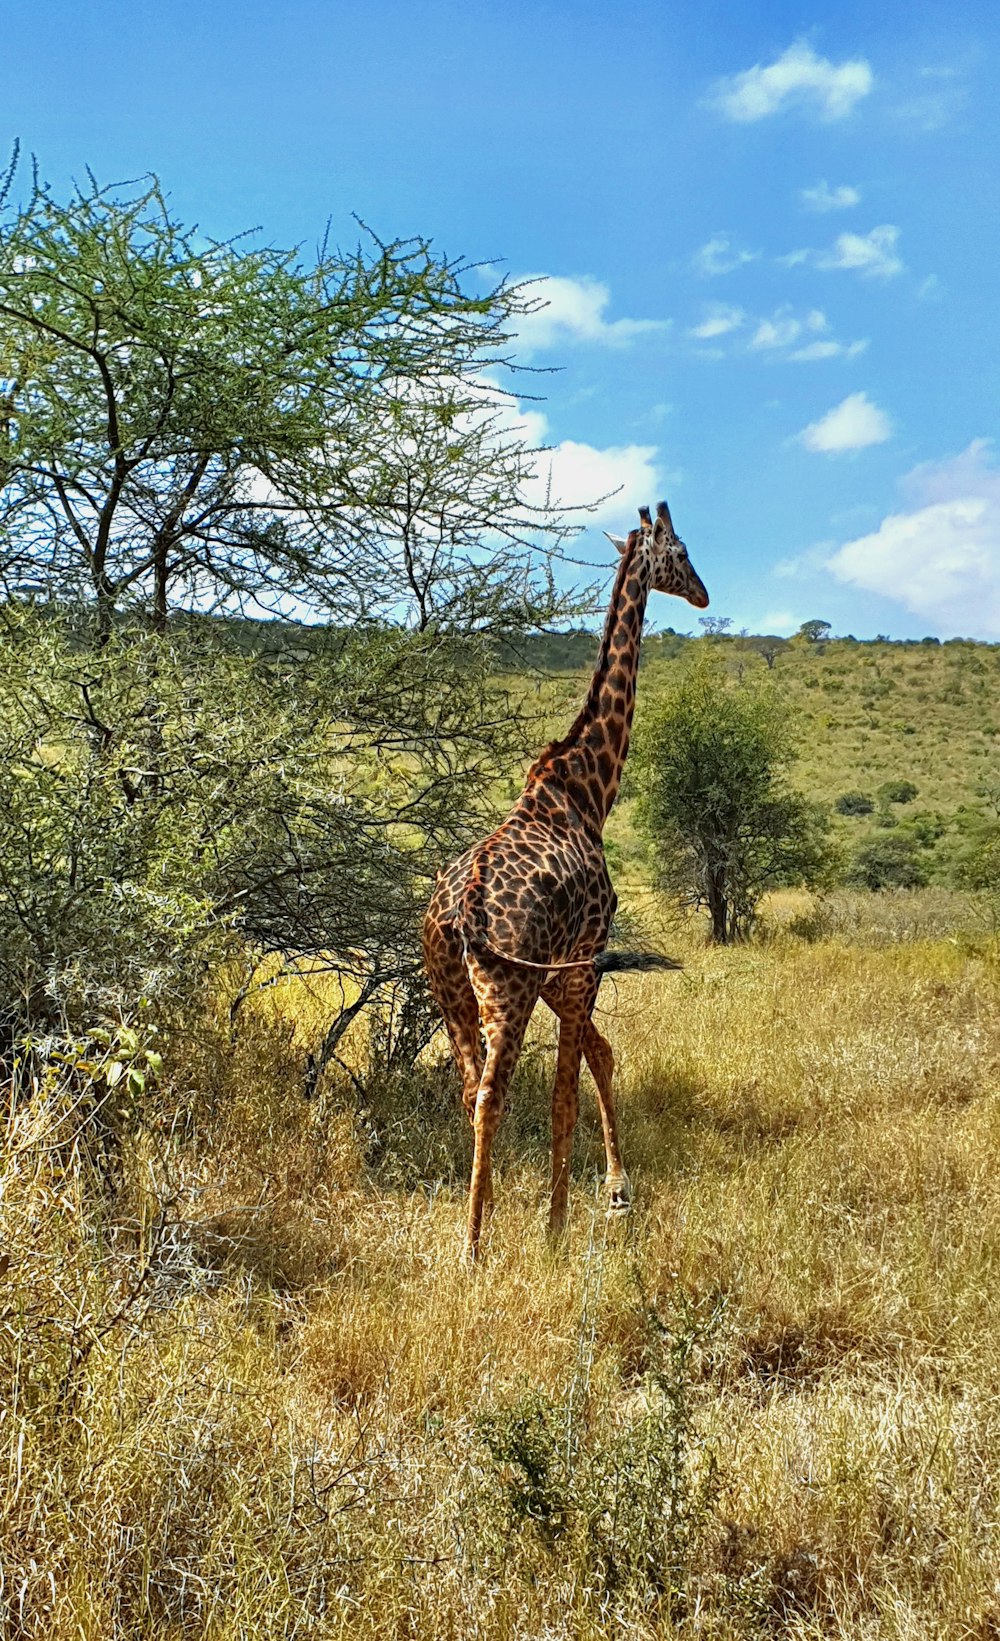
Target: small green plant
x=632 y=1504
x=526 y=1439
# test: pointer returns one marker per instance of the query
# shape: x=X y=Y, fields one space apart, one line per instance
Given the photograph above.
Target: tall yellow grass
x=248 y=1391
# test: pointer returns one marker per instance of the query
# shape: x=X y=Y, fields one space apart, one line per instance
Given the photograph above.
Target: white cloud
x=567 y=475
x=784 y=328
x=574 y=310
x=817 y=350
x=938 y=95
x=805 y=563
x=719 y=320
x=778 y=621
x=572 y=475
x=828 y=350
x=825 y=198
x=852 y=425
x=941 y=559
x=799 y=78
x=872 y=254
x=720 y=256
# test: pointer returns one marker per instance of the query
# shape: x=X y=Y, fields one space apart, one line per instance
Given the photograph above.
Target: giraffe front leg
x=601 y=1061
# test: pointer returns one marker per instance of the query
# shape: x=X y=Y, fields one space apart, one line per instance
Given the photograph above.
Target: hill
x=876 y=720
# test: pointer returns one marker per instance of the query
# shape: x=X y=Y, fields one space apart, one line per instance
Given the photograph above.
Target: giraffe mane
x=625 y=564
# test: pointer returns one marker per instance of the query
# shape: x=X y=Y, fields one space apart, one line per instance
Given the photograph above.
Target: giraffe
x=526 y=912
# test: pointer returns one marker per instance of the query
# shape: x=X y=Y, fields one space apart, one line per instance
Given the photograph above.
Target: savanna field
x=249 y=1391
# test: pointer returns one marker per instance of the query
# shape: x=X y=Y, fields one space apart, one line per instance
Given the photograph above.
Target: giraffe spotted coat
x=526 y=912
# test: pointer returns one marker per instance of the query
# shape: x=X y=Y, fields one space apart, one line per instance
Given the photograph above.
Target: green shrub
x=711 y=764
x=897 y=792
x=167 y=803
x=633 y=1504
x=854 y=803
x=888 y=863
x=969 y=850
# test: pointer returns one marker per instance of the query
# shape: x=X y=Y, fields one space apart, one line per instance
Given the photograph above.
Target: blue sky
x=770 y=235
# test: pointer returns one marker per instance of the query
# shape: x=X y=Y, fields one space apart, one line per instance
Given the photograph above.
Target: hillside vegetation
x=868 y=716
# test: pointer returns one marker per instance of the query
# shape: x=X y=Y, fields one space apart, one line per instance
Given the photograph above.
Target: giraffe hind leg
x=462 y=1023
x=571 y=999
x=600 y=1059
x=506 y=999
x=453 y=993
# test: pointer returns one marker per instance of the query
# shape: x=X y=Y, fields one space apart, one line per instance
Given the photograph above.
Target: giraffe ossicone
x=525 y=913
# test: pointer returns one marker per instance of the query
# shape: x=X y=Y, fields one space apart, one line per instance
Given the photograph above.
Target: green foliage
x=194 y=422
x=814 y=632
x=968 y=850
x=768 y=648
x=927 y=826
x=711 y=762
x=170 y=801
x=854 y=803
x=897 y=792
x=888 y=863
x=986 y=873
x=633 y=1505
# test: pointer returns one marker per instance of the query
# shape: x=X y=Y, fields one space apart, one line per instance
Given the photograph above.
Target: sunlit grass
x=248 y=1388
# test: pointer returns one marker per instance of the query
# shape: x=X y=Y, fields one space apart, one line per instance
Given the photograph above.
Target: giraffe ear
x=617 y=541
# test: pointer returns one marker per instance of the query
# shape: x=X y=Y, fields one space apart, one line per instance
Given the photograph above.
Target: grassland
x=260 y=1399
x=249 y=1393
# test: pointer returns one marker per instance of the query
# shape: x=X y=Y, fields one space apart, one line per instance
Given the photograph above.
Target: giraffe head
x=673 y=571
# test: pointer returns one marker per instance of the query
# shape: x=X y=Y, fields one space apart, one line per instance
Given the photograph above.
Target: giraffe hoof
x=619 y=1197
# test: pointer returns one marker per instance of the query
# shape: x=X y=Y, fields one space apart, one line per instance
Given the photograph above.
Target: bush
x=168 y=802
x=854 y=803
x=897 y=792
x=969 y=849
x=892 y=862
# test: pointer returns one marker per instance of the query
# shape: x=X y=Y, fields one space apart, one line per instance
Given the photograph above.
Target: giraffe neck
x=591 y=757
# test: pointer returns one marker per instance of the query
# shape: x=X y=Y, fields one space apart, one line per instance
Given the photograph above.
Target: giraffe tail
x=608 y=962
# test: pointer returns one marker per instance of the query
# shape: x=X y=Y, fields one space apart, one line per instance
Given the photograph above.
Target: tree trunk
x=105 y=608
x=717 y=905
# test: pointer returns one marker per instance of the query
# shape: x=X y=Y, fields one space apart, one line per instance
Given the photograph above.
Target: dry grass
x=249 y=1393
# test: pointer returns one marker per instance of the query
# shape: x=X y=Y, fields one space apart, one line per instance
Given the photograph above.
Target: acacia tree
x=220 y=424
x=712 y=760
x=189 y=426
x=769 y=648
x=814 y=632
